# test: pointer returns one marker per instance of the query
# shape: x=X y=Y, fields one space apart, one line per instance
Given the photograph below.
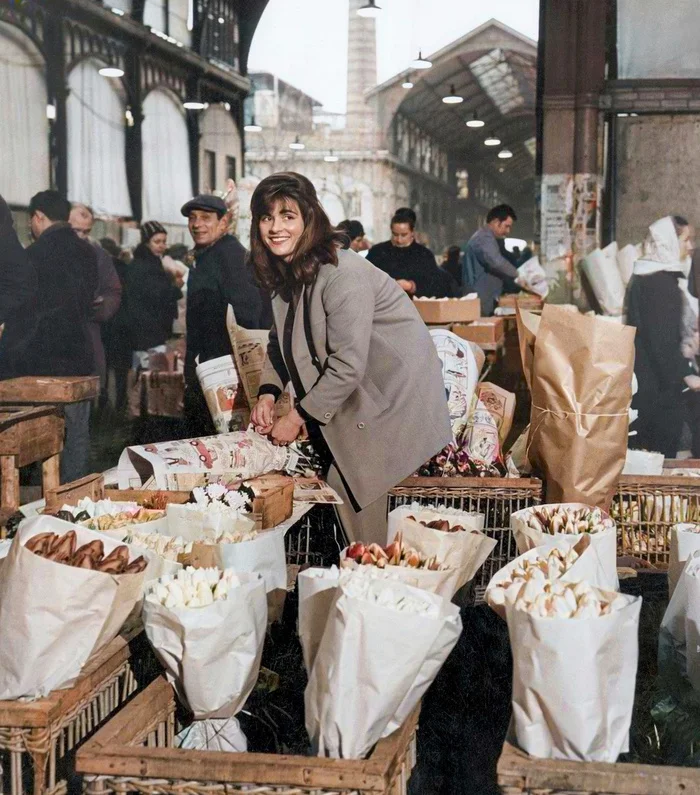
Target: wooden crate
x=449 y=310
x=28 y=434
x=49 y=389
x=645 y=508
x=496 y=498
x=38 y=739
x=520 y=774
x=522 y=300
x=134 y=753
x=484 y=331
x=274 y=500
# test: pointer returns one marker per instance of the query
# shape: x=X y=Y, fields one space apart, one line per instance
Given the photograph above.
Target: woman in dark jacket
x=658 y=308
x=151 y=294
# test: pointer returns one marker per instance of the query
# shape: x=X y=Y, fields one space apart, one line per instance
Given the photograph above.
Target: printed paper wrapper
x=212 y=654
x=683 y=543
x=573 y=682
x=587 y=567
x=187 y=463
x=580 y=375
x=600 y=267
x=604 y=542
x=465 y=550
x=481 y=437
x=386 y=659
x=56 y=615
x=532 y=277
x=501 y=406
x=460 y=374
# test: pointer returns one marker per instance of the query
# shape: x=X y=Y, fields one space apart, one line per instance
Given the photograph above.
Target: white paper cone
x=605 y=541
x=573 y=682
x=626 y=257
x=444 y=583
x=317 y=592
x=213 y=734
x=683 y=543
x=212 y=654
x=424 y=513
x=193 y=524
x=604 y=277
x=264 y=555
x=587 y=567
x=53 y=616
x=369 y=658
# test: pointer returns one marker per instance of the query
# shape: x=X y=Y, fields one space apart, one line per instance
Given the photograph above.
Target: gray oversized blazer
x=379 y=396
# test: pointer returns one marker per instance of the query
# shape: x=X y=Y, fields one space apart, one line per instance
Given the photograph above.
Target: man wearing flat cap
x=219 y=276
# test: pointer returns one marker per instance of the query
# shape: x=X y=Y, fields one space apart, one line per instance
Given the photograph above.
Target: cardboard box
x=273 y=502
x=484 y=331
x=448 y=310
x=523 y=300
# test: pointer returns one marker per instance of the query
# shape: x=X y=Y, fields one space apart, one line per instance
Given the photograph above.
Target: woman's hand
x=287 y=428
x=407 y=285
x=263 y=415
x=692 y=382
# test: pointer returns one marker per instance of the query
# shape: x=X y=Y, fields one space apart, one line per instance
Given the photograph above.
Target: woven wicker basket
x=134 y=753
x=496 y=498
x=38 y=738
x=520 y=774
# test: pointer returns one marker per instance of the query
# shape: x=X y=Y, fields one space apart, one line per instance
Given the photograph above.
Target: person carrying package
x=365 y=372
x=658 y=307
x=485 y=270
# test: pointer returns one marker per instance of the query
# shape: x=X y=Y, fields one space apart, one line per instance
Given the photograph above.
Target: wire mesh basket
x=496 y=498
x=317 y=539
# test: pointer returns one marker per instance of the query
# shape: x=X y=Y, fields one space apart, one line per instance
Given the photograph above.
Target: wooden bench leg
x=51 y=474
x=9 y=482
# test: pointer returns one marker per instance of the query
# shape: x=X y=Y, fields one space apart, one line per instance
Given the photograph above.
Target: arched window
x=219 y=149
x=24 y=164
x=167 y=180
x=97 y=141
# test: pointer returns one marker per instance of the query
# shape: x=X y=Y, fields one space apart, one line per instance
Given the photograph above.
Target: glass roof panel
x=496 y=78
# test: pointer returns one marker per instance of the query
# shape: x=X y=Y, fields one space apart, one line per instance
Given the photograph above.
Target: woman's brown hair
x=318 y=244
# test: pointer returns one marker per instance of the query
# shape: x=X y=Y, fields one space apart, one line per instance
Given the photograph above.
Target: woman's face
x=686 y=242
x=281 y=228
x=158 y=244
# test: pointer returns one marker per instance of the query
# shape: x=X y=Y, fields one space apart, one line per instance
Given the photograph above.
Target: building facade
x=126 y=145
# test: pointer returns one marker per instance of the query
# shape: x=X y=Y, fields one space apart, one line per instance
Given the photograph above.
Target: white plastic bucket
x=224 y=394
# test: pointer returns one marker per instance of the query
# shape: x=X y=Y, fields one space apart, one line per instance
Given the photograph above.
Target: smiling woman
x=366 y=376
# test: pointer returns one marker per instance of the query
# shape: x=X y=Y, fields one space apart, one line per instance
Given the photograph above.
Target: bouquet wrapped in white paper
x=626 y=257
x=115 y=518
x=569 y=559
x=679 y=636
x=384 y=642
x=532 y=276
x=685 y=540
x=53 y=616
x=574 y=668
x=600 y=266
x=542 y=525
x=207 y=628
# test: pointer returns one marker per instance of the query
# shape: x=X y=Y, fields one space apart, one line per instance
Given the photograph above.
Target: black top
x=219 y=276
x=50 y=336
x=655 y=308
x=151 y=299
x=415 y=263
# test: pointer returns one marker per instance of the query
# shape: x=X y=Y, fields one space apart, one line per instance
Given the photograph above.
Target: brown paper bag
x=581 y=383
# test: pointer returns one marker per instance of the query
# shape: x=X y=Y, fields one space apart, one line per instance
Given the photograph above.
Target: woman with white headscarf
x=659 y=306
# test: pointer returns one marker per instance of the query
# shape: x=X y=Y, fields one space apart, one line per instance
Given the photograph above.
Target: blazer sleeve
x=349 y=306
x=274 y=377
x=492 y=260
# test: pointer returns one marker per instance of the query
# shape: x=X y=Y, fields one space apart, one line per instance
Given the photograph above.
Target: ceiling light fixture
x=421 y=62
x=475 y=121
x=453 y=97
x=331 y=158
x=252 y=126
x=407 y=84
x=505 y=154
x=369 y=10
x=111 y=71
x=193 y=104
x=492 y=140
x=297 y=145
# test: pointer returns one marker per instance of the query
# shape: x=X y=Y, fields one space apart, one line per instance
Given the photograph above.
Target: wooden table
x=28 y=434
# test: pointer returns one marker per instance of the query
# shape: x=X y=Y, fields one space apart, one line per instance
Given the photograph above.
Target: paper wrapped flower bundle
x=91 y=555
x=555 y=519
x=395 y=554
x=193 y=587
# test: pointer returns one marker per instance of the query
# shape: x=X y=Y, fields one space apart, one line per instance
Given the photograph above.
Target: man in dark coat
x=51 y=337
x=17 y=276
x=411 y=265
x=219 y=275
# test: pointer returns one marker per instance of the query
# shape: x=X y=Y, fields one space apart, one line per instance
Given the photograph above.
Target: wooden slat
x=518 y=770
x=470 y=483
x=91 y=486
x=43 y=711
x=659 y=481
x=48 y=389
x=139 y=495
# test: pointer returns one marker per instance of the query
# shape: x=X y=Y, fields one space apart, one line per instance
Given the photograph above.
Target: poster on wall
x=557 y=211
